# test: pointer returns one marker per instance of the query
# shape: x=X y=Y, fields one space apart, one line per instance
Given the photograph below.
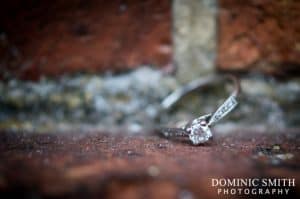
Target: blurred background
x=97 y=64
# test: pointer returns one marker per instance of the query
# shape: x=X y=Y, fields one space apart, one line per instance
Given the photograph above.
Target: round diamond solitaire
x=198 y=131
x=199 y=134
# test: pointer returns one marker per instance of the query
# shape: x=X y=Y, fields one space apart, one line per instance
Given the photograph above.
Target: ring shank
x=209 y=119
x=179 y=93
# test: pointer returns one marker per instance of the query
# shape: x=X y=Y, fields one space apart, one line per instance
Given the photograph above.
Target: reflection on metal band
x=223 y=110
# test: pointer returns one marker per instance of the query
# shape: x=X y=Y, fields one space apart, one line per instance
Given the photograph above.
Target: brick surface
x=97 y=165
x=64 y=37
x=259 y=36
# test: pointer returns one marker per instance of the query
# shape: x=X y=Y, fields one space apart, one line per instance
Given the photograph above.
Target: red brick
x=57 y=37
x=97 y=165
x=259 y=35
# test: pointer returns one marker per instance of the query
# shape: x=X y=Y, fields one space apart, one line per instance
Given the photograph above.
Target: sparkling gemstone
x=199 y=132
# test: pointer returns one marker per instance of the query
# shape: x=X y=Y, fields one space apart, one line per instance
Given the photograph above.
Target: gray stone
x=132 y=101
x=194 y=38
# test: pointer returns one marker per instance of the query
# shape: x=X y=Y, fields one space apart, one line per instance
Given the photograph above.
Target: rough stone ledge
x=93 y=165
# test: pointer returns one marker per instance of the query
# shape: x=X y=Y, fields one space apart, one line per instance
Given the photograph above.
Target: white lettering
x=214 y=182
x=255 y=182
x=264 y=182
x=292 y=182
x=226 y=191
x=287 y=191
x=272 y=182
x=231 y=182
x=222 y=182
x=245 y=186
x=246 y=191
x=232 y=191
x=240 y=191
x=243 y=182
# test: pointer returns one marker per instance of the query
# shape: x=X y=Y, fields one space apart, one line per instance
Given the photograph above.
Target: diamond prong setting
x=199 y=132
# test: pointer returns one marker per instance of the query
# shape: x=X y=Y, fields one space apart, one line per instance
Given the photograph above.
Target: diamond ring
x=198 y=130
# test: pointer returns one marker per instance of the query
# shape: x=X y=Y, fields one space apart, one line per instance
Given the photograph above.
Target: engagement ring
x=198 y=130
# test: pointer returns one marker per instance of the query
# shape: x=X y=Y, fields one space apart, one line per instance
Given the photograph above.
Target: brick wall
x=66 y=37
x=259 y=35
x=58 y=37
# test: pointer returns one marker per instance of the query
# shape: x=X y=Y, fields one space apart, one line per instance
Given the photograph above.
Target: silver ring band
x=198 y=130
